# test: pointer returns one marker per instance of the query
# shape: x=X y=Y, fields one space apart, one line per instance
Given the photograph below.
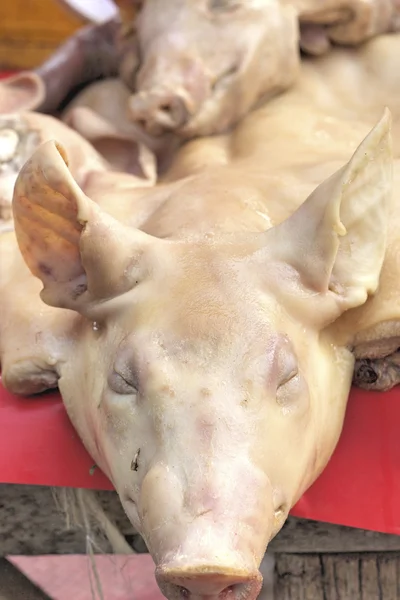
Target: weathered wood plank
x=389 y=569
x=298 y=577
x=31 y=523
x=303 y=536
x=368 y=576
x=30 y=30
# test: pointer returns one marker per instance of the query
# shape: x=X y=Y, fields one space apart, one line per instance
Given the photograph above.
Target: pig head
x=200 y=376
x=202 y=65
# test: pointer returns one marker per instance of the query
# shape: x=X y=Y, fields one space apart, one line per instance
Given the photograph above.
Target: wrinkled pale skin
x=206 y=330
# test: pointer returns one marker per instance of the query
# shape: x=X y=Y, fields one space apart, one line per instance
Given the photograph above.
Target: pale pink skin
x=205 y=64
x=202 y=322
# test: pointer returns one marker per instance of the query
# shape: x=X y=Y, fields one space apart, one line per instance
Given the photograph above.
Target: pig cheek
x=119 y=433
x=81 y=388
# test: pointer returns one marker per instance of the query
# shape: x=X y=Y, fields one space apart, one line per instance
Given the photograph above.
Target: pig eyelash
x=287 y=390
x=291 y=375
x=224 y=79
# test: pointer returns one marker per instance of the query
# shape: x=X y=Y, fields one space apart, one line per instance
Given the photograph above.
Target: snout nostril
x=166 y=107
x=207 y=582
x=225 y=594
x=171 y=113
x=158 y=113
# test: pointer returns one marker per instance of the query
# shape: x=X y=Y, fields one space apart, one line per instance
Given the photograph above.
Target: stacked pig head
x=199 y=373
x=198 y=67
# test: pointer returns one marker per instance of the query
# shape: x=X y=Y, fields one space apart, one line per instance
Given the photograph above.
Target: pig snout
x=213 y=582
x=171 y=86
x=158 y=112
x=207 y=533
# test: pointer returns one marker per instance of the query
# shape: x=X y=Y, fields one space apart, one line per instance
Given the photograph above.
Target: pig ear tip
x=56 y=145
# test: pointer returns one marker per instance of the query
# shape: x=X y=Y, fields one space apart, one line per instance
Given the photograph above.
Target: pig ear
x=336 y=241
x=80 y=253
x=25 y=91
x=121 y=150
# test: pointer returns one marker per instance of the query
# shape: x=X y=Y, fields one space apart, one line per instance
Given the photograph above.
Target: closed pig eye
x=120 y=385
x=288 y=389
x=288 y=376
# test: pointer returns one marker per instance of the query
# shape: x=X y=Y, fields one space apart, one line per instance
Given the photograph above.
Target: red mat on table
x=360 y=487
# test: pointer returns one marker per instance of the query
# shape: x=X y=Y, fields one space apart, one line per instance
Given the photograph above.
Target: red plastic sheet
x=360 y=486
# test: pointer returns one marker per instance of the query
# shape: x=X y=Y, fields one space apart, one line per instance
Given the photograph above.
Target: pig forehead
x=202 y=298
x=207 y=303
x=205 y=290
x=204 y=332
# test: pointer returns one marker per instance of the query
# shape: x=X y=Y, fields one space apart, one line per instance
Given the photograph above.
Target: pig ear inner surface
x=66 y=240
x=336 y=241
x=21 y=92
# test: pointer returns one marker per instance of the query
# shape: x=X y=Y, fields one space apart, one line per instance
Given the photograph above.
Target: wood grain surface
x=30 y=30
x=367 y=576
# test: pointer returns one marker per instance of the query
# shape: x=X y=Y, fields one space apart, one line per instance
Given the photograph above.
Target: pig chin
x=208 y=534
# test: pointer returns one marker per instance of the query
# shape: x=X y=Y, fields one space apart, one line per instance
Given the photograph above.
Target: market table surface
x=360 y=486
